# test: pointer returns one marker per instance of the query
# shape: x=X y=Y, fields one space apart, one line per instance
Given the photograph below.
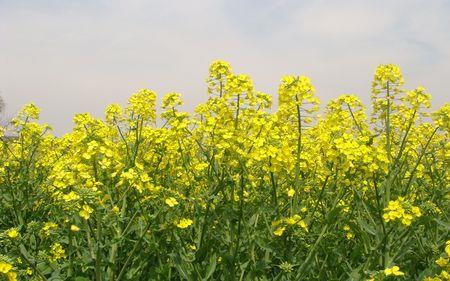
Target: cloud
x=78 y=56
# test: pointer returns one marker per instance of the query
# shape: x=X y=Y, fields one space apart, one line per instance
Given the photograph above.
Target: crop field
x=236 y=190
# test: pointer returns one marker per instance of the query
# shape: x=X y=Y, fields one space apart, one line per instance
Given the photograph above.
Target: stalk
x=241 y=213
x=70 y=270
x=238 y=105
x=98 y=275
x=130 y=256
x=387 y=193
x=299 y=148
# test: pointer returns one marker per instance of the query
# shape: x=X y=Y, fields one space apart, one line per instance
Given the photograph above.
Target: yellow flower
x=303 y=225
x=113 y=112
x=292 y=220
x=48 y=227
x=219 y=69
x=12 y=233
x=444 y=275
x=71 y=196
x=115 y=209
x=239 y=83
x=5 y=267
x=395 y=270
x=401 y=211
x=31 y=110
x=291 y=192
x=86 y=212
x=442 y=262
x=279 y=231
x=447 y=248
x=12 y=276
x=171 y=201
x=74 y=228
x=142 y=104
x=184 y=223
x=57 y=252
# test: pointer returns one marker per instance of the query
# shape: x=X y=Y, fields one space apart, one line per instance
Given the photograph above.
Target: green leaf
x=366 y=227
x=81 y=278
x=211 y=267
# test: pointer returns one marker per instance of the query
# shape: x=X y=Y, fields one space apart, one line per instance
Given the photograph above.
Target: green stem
x=130 y=256
x=98 y=275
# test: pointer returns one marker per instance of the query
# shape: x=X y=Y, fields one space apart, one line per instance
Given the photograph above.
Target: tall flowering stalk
x=297 y=102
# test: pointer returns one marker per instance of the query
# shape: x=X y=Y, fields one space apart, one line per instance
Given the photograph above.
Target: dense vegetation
x=235 y=191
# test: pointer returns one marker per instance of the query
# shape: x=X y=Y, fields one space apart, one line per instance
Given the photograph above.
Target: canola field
x=237 y=190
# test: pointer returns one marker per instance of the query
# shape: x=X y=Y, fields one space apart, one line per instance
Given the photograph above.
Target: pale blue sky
x=78 y=56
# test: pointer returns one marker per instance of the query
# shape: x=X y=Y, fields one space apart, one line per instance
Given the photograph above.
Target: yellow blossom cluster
x=394 y=270
x=288 y=223
x=237 y=189
x=401 y=210
x=57 y=252
x=444 y=263
x=184 y=223
x=6 y=270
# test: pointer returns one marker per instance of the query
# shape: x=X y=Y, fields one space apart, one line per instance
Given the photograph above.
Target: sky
x=71 y=56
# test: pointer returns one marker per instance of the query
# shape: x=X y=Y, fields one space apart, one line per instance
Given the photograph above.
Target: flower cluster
x=238 y=189
x=401 y=210
x=444 y=264
x=288 y=223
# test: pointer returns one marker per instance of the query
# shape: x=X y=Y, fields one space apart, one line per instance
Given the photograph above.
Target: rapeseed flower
x=171 y=201
x=74 y=228
x=184 y=223
x=12 y=233
x=5 y=267
x=86 y=212
x=57 y=252
x=291 y=192
x=279 y=231
x=394 y=270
